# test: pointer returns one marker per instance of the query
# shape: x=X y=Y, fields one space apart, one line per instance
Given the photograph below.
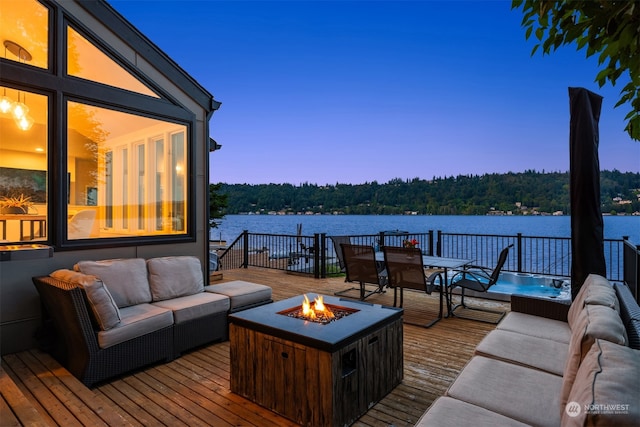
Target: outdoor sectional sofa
x=578 y=366
x=105 y=318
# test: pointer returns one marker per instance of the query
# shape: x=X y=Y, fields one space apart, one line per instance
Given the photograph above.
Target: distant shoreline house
x=104 y=147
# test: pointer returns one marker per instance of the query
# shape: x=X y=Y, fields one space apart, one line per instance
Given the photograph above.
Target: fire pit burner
x=337 y=311
x=317 y=311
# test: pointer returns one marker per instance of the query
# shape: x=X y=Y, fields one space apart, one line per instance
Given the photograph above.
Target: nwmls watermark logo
x=573 y=409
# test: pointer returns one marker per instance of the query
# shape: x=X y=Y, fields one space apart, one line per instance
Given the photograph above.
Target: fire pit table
x=326 y=372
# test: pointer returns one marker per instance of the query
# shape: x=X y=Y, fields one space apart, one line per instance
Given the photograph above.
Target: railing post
x=245 y=249
x=318 y=257
x=519 y=252
x=439 y=244
x=381 y=242
x=430 y=243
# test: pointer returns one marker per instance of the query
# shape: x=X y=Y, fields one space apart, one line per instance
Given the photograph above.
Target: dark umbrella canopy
x=587 y=226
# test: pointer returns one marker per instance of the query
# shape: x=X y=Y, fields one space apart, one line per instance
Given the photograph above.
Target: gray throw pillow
x=103 y=307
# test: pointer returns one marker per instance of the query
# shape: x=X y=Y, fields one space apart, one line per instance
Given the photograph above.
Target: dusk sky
x=332 y=92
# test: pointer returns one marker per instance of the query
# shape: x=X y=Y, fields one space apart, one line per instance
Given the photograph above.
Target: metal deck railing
x=316 y=255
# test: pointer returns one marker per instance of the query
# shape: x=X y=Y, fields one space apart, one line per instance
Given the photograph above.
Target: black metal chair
x=337 y=241
x=405 y=271
x=361 y=267
x=478 y=279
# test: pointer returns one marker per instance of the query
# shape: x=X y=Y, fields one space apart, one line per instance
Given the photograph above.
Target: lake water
x=615 y=227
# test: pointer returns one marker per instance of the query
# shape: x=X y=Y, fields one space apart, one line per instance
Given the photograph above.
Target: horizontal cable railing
x=317 y=255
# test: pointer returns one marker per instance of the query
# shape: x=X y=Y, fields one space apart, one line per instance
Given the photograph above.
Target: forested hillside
x=523 y=193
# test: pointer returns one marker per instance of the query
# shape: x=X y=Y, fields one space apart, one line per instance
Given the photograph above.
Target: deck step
x=215 y=276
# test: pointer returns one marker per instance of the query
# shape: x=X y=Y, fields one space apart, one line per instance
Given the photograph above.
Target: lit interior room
x=125 y=173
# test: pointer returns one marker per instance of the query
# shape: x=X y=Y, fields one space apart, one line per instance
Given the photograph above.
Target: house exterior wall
x=20 y=308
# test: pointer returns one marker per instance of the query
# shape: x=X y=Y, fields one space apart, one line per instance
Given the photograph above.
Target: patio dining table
x=443 y=263
x=24 y=219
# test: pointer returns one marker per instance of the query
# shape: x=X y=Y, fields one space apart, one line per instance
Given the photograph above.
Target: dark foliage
x=519 y=193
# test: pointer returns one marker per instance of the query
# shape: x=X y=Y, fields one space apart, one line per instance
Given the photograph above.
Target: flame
x=319 y=303
x=307 y=311
x=312 y=311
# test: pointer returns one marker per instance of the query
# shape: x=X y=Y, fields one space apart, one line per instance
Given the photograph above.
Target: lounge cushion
x=606 y=389
x=103 y=307
x=523 y=394
x=175 y=276
x=136 y=321
x=125 y=278
x=194 y=306
x=526 y=350
x=242 y=293
x=448 y=412
x=596 y=290
x=595 y=321
x=536 y=326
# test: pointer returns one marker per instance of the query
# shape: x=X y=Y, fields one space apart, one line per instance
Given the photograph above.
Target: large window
x=24 y=174
x=23 y=166
x=86 y=61
x=120 y=143
x=24 y=31
x=107 y=184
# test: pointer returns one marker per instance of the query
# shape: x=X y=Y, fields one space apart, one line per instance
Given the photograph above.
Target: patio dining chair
x=478 y=279
x=361 y=267
x=81 y=224
x=337 y=241
x=405 y=271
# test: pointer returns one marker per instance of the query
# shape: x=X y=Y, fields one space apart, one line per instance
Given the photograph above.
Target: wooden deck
x=193 y=390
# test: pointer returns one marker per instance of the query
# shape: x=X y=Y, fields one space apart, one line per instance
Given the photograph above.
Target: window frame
x=61 y=88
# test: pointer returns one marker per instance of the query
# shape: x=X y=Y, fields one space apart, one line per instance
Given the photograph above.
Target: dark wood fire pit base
x=313 y=375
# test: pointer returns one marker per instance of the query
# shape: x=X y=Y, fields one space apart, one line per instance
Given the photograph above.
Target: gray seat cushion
x=524 y=394
x=136 y=320
x=242 y=293
x=526 y=350
x=536 y=326
x=448 y=412
x=195 y=306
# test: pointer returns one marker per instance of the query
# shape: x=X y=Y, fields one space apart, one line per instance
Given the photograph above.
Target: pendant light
x=18 y=109
x=6 y=103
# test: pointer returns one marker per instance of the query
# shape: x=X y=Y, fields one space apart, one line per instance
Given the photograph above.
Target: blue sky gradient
x=358 y=91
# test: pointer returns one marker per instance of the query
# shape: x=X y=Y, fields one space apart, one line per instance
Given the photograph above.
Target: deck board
x=193 y=390
x=16 y=409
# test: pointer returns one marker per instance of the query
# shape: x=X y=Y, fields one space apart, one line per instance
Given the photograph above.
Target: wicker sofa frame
x=192 y=334
x=69 y=334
